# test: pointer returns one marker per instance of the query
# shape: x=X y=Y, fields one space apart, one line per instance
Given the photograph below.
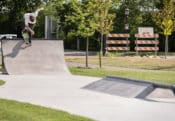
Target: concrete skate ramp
x=43 y=57
x=121 y=87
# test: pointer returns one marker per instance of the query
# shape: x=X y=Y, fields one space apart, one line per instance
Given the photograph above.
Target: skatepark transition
x=42 y=57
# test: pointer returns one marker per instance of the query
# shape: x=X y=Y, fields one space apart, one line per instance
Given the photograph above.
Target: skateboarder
x=30 y=20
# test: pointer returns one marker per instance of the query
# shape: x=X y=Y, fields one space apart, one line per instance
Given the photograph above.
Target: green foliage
x=59 y=10
x=135 y=17
x=113 y=54
x=161 y=76
x=39 y=27
x=104 y=17
x=12 y=12
x=131 y=61
x=165 y=16
x=82 y=18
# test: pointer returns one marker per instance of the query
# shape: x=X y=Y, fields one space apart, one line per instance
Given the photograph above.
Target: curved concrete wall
x=43 y=57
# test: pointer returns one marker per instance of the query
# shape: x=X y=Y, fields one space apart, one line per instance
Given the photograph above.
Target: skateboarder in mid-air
x=29 y=20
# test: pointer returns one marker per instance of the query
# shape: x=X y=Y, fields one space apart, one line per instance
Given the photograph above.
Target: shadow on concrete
x=16 y=49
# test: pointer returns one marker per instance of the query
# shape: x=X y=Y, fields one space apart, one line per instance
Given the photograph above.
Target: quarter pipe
x=43 y=57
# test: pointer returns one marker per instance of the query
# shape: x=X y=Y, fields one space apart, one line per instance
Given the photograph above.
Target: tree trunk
x=78 y=43
x=166 y=46
x=101 y=50
x=87 y=49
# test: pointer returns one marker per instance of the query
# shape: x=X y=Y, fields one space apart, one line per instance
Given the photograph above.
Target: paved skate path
x=66 y=93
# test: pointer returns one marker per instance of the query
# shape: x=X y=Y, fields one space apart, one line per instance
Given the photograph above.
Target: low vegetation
x=148 y=63
x=16 y=111
x=155 y=76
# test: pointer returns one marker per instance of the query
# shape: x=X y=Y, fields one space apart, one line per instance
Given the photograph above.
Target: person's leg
x=30 y=33
x=31 y=26
x=25 y=34
x=30 y=36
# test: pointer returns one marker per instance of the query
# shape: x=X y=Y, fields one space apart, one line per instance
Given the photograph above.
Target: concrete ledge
x=126 y=87
x=155 y=84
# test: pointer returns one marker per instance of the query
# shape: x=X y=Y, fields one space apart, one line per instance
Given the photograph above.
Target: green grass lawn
x=16 y=111
x=2 y=82
x=156 y=76
x=128 y=62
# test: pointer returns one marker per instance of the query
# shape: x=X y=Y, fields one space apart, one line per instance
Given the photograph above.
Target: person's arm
x=35 y=14
x=38 y=10
x=26 y=20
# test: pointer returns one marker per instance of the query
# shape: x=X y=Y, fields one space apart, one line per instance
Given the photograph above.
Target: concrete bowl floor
x=66 y=93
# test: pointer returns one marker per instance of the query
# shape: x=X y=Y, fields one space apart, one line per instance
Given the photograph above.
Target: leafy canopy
x=165 y=17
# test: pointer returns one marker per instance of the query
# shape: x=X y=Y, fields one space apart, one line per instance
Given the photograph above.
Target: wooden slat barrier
x=147 y=35
x=117 y=42
x=147 y=42
x=147 y=48
x=118 y=48
x=142 y=45
x=118 y=35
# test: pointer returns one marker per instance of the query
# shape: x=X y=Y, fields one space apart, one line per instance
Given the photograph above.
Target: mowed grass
x=2 y=82
x=128 y=62
x=16 y=111
x=155 y=76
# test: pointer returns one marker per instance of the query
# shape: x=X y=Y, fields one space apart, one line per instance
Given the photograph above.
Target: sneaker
x=27 y=43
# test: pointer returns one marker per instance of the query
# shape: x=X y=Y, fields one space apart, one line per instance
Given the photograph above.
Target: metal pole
x=166 y=46
x=137 y=53
x=127 y=45
x=78 y=43
x=2 y=58
x=106 y=45
x=155 y=46
x=87 y=48
x=101 y=49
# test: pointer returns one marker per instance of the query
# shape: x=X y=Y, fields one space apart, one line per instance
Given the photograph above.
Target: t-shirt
x=27 y=18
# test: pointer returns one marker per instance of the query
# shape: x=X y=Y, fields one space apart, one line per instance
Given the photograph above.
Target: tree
x=165 y=19
x=135 y=18
x=94 y=16
x=146 y=8
x=84 y=20
x=104 y=20
x=60 y=10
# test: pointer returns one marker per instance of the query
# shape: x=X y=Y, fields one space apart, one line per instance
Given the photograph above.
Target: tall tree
x=165 y=19
x=84 y=20
x=104 y=21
